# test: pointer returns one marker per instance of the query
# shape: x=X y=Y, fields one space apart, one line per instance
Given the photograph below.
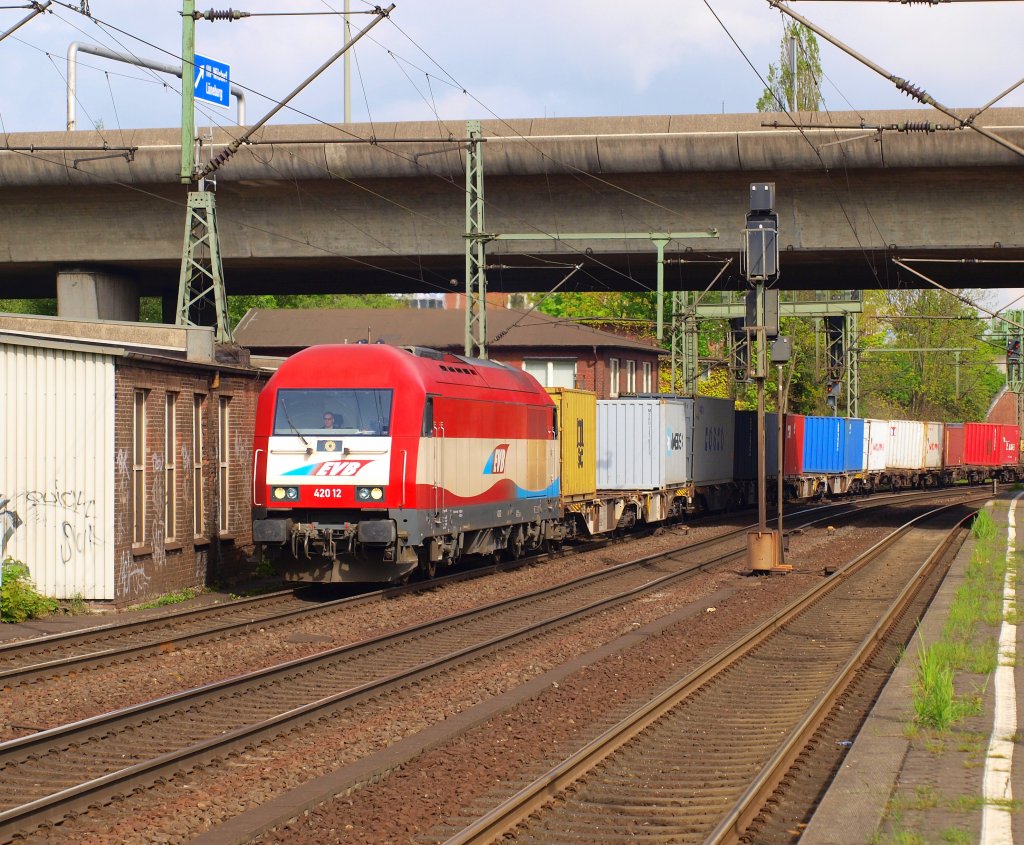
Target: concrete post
x=87 y=294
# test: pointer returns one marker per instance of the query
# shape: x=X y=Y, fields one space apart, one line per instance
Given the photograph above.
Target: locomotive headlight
x=285 y=494
x=369 y=494
x=376 y=494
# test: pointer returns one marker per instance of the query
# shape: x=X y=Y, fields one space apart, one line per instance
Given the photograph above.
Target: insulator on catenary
x=223 y=15
x=914 y=91
x=919 y=126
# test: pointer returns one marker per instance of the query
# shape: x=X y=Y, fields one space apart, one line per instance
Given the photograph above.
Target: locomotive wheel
x=516 y=543
x=430 y=567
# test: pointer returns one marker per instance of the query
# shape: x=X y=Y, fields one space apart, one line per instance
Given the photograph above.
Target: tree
x=779 y=95
x=926 y=385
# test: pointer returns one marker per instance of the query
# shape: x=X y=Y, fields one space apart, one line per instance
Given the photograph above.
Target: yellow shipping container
x=577 y=435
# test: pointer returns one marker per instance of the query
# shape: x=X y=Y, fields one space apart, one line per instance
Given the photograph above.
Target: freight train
x=372 y=462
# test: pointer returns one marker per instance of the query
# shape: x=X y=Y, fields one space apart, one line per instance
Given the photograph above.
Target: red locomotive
x=371 y=461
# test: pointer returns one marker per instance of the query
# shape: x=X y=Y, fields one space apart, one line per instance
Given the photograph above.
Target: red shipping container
x=953 y=445
x=981 y=447
x=1009 y=444
x=793 y=447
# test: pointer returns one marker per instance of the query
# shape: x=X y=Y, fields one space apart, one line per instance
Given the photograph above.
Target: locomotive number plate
x=328 y=492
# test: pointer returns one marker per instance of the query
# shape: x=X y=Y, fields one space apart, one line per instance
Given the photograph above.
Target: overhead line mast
x=201 y=282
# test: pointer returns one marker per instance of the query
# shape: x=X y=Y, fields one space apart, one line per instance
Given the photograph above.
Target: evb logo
x=496 y=461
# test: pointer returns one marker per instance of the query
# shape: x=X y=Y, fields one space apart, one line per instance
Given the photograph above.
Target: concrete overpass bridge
x=318 y=209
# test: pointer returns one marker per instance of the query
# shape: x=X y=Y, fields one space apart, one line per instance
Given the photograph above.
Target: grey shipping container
x=654 y=443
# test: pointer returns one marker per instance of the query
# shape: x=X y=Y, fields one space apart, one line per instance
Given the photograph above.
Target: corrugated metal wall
x=57 y=467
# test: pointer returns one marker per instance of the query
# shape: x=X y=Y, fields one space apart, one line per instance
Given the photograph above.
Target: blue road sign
x=212 y=81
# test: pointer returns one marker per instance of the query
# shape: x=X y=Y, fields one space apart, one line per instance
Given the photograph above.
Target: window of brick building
x=198 y=520
x=223 y=463
x=170 y=467
x=139 y=468
x=631 y=377
x=556 y=372
x=647 y=386
x=613 y=378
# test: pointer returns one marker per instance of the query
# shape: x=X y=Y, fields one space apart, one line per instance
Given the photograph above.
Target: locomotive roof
x=271 y=330
x=369 y=363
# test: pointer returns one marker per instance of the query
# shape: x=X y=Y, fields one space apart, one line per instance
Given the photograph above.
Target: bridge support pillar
x=87 y=294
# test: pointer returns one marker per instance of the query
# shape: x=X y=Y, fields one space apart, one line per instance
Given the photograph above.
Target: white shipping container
x=933 y=433
x=643 y=444
x=714 y=441
x=906 y=445
x=57 y=465
x=876 y=443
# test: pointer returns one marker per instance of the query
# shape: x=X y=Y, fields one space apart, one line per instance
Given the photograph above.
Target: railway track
x=699 y=762
x=46 y=657
x=51 y=773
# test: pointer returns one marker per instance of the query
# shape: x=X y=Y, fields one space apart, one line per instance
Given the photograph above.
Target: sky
x=451 y=60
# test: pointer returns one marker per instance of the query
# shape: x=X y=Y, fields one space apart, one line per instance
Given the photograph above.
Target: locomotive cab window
x=333 y=411
x=428 y=418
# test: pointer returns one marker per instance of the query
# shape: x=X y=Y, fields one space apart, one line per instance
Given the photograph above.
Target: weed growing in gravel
x=925 y=798
x=935 y=702
x=957 y=836
x=978 y=601
x=169 y=598
x=75 y=606
x=973 y=803
x=908 y=837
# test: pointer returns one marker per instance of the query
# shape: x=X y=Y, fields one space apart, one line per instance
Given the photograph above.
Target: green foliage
x=778 y=96
x=634 y=313
x=926 y=385
x=19 y=599
x=40 y=307
x=238 y=305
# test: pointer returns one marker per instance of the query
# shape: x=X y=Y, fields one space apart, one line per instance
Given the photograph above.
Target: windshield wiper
x=287 y=416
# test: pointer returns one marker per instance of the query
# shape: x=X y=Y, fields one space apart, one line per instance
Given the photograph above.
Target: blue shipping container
x=833 y=445
x=853 y=460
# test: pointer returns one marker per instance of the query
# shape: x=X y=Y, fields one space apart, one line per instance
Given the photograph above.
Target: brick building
x=125 y=467
x=559 y=353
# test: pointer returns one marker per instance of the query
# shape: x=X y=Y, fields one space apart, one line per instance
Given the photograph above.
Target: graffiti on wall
x=70 y=512
x=9 y=522
x=123 y=491
x=159 y=528
x=241 y=462
x=132 y=576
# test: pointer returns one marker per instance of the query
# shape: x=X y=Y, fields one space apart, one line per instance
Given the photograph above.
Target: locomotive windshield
x=332 y=411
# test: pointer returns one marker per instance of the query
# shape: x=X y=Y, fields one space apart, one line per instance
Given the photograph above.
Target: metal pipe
x=77 y=47
x=779 y=421
x=348 y=66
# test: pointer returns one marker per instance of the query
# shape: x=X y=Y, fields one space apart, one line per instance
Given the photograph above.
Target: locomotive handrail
x=405 y=459
x=255 y=475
